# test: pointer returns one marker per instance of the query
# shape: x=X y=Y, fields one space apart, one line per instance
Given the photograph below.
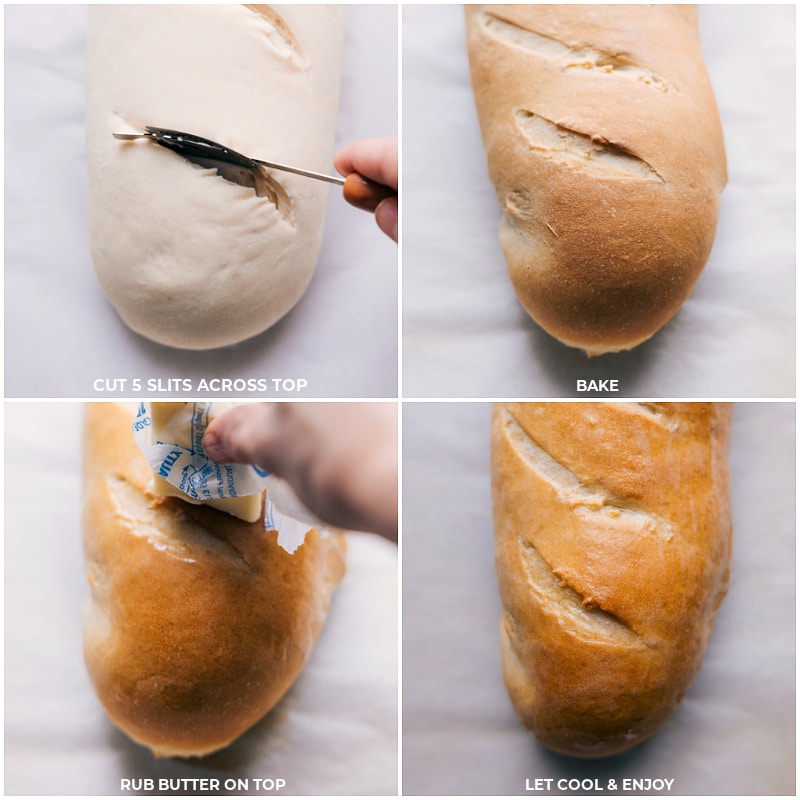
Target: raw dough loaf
x=188 y=258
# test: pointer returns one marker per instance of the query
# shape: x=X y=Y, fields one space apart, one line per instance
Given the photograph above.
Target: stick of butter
x=247 y=508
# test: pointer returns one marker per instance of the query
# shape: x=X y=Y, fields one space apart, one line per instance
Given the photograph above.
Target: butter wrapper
x=286 y=514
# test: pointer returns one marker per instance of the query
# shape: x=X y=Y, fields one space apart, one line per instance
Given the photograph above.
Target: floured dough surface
x=190 y=259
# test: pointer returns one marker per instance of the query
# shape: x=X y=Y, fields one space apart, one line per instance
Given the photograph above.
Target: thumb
x=386 y=217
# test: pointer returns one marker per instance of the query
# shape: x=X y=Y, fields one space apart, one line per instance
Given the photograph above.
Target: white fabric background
x=334 y=733
x=465 y=334
x=61 y=332
x=734 y=733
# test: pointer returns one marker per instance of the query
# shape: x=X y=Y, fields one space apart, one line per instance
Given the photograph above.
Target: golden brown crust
x=613 y=539
x=606 y=152
x=198 y=622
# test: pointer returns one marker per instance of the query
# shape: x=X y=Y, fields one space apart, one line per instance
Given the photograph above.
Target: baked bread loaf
x=606 y=152
x=197 y=622
x=613 y=537
x=187 y=258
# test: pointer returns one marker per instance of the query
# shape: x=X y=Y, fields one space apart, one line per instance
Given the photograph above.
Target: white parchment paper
x=62 y=333
x=334 y=733
x=734 y=733
x=464 y=332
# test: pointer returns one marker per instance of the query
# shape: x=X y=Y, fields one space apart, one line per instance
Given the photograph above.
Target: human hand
x=375 y=159
x=340 y=458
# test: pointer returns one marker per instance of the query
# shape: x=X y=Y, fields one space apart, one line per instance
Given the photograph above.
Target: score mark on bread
x=584 y=56
x=594 y=154
x=584 y=619
x=280 y=36
x=254 y=178
x=572 y=492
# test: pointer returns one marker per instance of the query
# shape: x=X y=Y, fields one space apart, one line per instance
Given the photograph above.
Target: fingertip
x=376 y=159
x=341 y=163
x=214 y=447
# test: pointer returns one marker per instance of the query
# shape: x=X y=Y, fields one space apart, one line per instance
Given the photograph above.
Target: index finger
x=375 y=159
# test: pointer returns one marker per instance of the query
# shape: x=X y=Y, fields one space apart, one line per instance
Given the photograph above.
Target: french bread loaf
x=197 y=622
x=605 y=149
x=187 y=258
x=613 y=542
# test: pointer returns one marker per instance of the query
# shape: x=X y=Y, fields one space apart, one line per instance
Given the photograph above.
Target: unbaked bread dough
x=187 y=258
